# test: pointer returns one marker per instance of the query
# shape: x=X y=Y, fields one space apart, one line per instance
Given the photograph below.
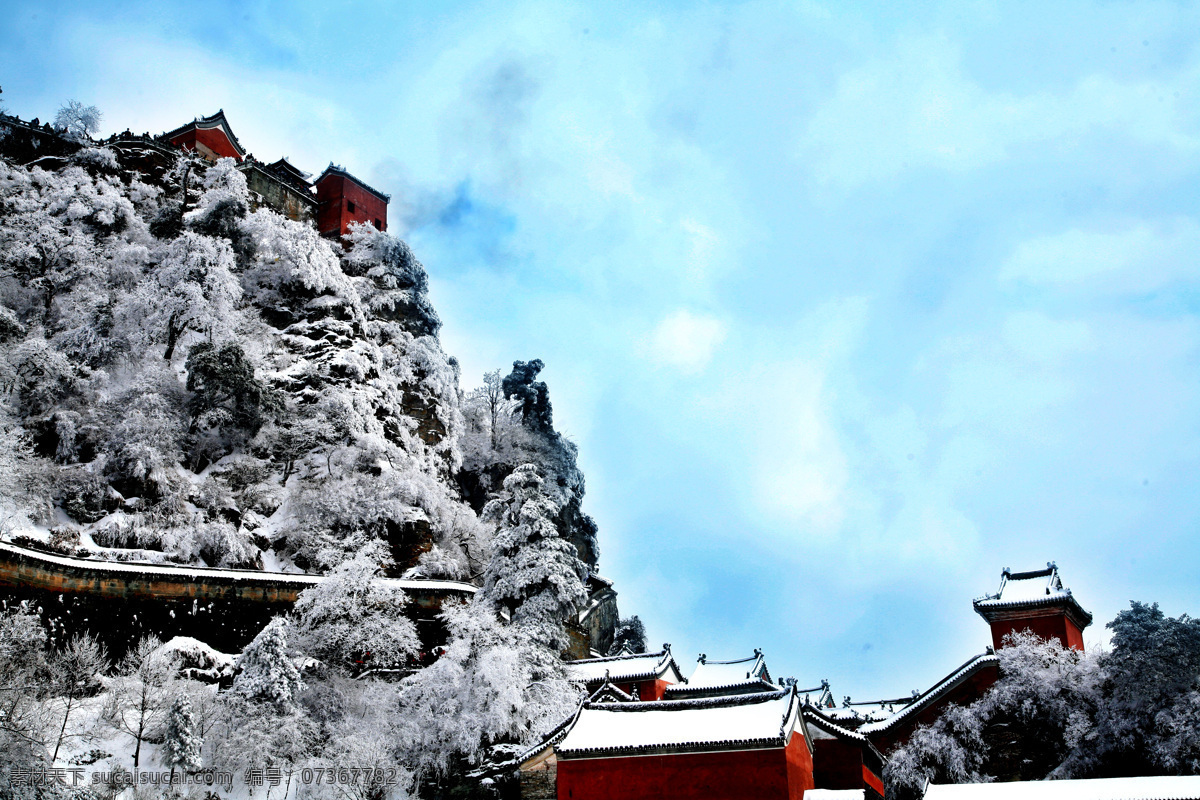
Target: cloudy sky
x=847 y=305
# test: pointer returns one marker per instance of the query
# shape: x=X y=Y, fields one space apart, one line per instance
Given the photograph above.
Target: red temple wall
x=837 y=764
x=334 y=194
x=652 y=690
x=775 y=774
x=1050 y=627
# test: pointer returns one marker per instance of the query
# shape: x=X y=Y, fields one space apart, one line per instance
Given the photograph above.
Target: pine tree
x=181 y=741
x=267 y=673
x=534 y=573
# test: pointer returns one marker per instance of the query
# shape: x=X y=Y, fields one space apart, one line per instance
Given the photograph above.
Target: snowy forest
x=188 y=380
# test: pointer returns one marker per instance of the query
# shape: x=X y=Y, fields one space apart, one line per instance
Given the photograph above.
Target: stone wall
x=24 y=142
x=278 y=196
x=121 y=602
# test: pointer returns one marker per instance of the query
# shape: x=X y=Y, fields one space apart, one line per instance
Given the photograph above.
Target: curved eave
x=217 y=120
x=754 y=685
x=991 y=608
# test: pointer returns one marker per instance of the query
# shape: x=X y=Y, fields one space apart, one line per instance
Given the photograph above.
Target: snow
x=679 y=724
x=834 y=794
x=1028 y=587
x=1162 y=787
x=618 y=669
x=713 y=674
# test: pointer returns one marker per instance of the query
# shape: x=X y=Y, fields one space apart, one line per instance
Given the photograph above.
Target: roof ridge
x=619 y=657
x=922 y=700
x=753 y=698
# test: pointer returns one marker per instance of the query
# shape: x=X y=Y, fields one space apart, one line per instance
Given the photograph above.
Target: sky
x=848 y=306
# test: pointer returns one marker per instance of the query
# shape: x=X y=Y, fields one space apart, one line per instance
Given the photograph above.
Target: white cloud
x=917 y=108
x=1133 y=257
x=686 y=341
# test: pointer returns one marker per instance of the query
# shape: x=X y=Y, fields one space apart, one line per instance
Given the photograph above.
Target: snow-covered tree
x=76 y=669
x=353 y=621
x=192 y=288
x=181 y=741
x=1147 y=720
x=493 y=684
x=534 y=573
x=77 y=120
x=141 y=693
x=951 y=750
x=26 y=724
x=630 y=635
x=266 y=672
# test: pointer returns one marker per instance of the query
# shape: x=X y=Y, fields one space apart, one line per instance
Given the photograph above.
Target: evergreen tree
x=534 y=572
x=630 y=635
x=267 y=674
x=181 y=740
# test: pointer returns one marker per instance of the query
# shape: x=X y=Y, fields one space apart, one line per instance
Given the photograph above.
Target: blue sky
x=847 y=305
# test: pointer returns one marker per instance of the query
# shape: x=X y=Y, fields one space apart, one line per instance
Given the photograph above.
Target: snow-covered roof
x=185 y=572
x=820 y=726
x=935 y=693
x=626 y=668
x=762 y=720
x=727 y=677
x=1041 y=588
x=608 y=692
x=831 y=729
x=1159 y=787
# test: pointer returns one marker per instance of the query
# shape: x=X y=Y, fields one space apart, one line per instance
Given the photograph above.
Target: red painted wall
x=871 y=779
x=837 y=764
x=1050 y=627
x=213 y=138
x=652 y=690
x=799 y=767
x=775 y=774
x=334 y=196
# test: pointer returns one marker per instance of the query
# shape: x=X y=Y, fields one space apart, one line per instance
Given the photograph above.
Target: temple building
x=741 y=747
x=722 y=678
x=843 y=759
x=1035 y=601
x=210 y=137
x=343 y=199
x=641 y=676
x=726 y=731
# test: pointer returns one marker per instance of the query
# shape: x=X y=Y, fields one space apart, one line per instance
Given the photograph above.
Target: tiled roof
x=762 y=720
x=740 y=676
x=823 y=724
x=935 y=693
x=1159 y=787
x=1042 y=588
x=217 y=120
x=607 y=692
x=625 y=668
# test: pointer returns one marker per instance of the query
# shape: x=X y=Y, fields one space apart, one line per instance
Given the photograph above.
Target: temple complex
x=731 y=730
x=331 y=203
